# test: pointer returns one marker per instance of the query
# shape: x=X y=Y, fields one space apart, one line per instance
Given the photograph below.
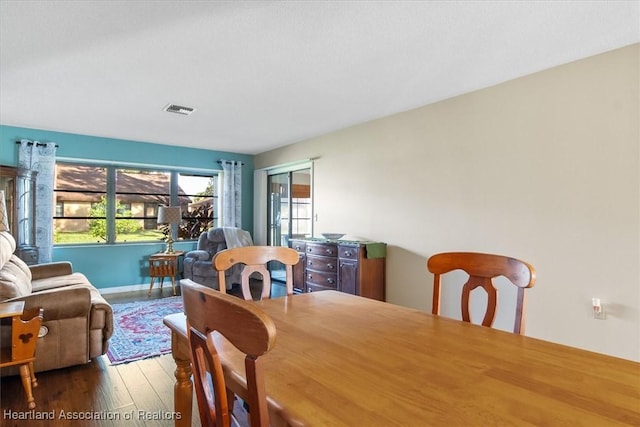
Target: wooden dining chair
x=255 y=259
x=248 y=328
x=482 y=269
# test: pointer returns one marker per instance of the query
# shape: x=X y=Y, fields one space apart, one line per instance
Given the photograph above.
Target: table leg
x=151 y=285
x=173 y=285
x=183 y=389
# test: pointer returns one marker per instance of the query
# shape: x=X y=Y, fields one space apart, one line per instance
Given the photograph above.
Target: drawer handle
x=329 y=251
x=347 y=253
x=331 y=266
x=297 y=248
x=330 y=281
x=309 y=276
x=309 y=263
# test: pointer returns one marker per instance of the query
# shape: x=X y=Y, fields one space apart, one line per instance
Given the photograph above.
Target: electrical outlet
x=598 y=309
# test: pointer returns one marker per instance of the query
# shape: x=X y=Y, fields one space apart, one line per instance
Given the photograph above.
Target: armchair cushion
x=61 y=304
x=59 y=282
x=214 y=241
x=7 y=247
x=15 y=279
x=198 y=255
x=52 y=269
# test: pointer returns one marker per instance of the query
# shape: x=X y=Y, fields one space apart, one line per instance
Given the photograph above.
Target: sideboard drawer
x=298 y=245
x=348 y=252
x=311 y=287
x=328 y=280
x=321 y=263
x=322 y=249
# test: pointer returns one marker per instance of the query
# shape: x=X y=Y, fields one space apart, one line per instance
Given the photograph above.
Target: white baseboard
x=140 y=287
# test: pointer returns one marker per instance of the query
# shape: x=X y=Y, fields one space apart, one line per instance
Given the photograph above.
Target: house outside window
x=111 y=204
x=59 y=209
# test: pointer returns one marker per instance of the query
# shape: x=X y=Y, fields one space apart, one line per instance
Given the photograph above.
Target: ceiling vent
x=173 y=108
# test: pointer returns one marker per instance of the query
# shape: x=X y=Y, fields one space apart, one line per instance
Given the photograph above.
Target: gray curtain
x=34 y=156
x=231 y=193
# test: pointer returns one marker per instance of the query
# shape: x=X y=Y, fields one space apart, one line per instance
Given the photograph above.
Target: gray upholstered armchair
x=197 y=264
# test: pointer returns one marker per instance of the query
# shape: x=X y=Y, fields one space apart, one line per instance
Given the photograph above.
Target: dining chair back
x=22 y=352
x=255 y=259
x=482 y=269
x=248 y=328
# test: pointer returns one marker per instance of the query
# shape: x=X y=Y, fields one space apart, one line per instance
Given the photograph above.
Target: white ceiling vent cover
x=173 y=108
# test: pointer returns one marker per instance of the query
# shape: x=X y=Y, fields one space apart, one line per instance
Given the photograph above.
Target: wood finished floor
x=132 y=394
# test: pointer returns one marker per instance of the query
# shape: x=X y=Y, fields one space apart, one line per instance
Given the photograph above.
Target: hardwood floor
x=132 y=394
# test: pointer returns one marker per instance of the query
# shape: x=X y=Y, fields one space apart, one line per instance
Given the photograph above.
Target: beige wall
x=544 y=168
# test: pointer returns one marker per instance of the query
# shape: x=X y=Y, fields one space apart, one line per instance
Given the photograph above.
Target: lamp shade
x=4 y=218
x=169 y=215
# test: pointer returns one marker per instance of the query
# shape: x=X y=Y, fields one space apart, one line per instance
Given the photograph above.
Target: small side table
x=24 y=337
x=164 y=265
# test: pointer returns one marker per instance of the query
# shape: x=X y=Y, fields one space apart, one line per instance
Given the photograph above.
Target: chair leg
x=34 y=381
x=25 y=375
x=173 y=285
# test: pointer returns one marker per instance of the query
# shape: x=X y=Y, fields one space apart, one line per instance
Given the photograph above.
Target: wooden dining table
x=344 y=360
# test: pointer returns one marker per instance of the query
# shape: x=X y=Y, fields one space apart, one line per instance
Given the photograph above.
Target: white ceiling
x=263 y=74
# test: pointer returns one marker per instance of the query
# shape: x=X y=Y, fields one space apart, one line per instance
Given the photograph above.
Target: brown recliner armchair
x=77 y=323
x=197 y=264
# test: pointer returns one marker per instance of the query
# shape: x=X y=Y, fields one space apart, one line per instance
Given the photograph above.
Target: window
x=78 y=190
x=199 y=214
x=111 y=204
x=135 y=191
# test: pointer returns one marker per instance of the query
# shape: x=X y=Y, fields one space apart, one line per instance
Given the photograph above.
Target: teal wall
x=124 y=264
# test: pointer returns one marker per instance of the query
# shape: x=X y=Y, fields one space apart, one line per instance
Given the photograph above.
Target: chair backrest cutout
x=255 y=259
x=482 y=269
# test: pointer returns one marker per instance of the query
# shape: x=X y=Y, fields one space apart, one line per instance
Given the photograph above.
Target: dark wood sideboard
x=352 y=267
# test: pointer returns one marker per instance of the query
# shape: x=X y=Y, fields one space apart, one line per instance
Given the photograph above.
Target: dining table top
x=344 y=360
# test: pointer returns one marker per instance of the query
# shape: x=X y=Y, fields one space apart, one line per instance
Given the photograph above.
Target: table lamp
x=169 y=215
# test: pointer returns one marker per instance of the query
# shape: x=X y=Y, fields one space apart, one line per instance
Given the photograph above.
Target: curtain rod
x=220 y=162
x=38 y=144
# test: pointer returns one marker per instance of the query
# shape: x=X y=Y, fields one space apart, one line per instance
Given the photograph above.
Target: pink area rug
x=138 y=329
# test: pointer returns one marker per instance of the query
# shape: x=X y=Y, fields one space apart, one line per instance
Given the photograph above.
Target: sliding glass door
x=289 y=209
x=289 y=206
